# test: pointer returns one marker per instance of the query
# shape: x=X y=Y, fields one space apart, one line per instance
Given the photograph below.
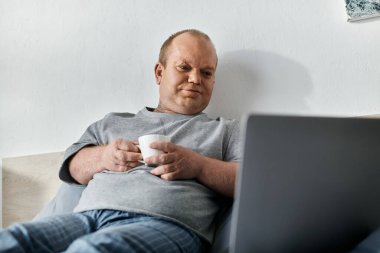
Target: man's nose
x=195 y=77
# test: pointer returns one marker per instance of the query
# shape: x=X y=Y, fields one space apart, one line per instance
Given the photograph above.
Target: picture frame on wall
x=362 y=9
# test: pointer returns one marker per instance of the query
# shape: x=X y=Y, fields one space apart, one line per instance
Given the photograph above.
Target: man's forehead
x=206 y=63
x=192 y=49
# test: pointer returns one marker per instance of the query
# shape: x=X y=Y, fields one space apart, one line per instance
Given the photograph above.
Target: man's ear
x=158 y=69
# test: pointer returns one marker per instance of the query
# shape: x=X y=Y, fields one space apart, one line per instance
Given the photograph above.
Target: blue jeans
x=99 y=231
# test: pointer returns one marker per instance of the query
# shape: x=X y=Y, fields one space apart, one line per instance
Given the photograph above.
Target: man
x=128 y=206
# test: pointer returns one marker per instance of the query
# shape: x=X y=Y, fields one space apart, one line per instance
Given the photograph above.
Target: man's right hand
x=121 y=155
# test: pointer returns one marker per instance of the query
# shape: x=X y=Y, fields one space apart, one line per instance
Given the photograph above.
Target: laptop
x=306 y=184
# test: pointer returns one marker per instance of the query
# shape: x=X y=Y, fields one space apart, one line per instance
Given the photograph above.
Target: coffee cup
x=146 y=140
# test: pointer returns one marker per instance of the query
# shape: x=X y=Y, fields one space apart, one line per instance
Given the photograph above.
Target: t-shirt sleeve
x=232 y=145
x=91 y=137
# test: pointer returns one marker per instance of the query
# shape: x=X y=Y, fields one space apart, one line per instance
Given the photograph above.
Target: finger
x=121 y=162
x=128 y=164
x=134 y=157
x=129 y=168
x=127 y=146
x=163 y=169
x=119 y=157
x=166 y=158
x=120 y=168
x=137 y=144
x=164 y=146
x=170 y=176
x=134 y=164
x=123 y=156
x=123 y=168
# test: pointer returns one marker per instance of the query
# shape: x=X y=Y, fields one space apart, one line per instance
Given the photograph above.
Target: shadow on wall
x=259 y=81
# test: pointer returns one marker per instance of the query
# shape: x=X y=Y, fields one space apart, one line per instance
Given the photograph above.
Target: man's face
x=187 y=80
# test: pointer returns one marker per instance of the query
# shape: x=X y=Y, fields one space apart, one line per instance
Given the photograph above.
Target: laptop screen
x=306 y=184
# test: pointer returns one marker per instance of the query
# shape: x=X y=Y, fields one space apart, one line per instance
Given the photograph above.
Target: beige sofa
x=29 y=183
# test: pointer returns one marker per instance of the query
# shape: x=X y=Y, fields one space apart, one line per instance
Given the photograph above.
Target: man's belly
x=185 y=201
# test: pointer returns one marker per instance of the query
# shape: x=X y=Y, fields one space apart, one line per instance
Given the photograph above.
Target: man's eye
x=207 y=73
x=184 y=67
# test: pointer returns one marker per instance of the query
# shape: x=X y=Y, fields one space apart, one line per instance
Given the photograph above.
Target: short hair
x=164 y=48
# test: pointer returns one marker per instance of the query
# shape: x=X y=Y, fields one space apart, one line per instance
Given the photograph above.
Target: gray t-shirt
x=184 y=201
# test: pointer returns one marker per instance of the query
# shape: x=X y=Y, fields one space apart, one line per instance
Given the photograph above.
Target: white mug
x=146 y=140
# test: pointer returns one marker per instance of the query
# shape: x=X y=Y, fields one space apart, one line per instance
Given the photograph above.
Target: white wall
x=66 y=63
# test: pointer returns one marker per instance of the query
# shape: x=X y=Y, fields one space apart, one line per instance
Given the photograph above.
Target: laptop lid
x=306 y=184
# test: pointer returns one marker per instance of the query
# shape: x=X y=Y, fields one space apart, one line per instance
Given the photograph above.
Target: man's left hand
x=176 y=162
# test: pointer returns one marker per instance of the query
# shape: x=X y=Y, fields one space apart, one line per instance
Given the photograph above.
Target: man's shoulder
x=118 y=115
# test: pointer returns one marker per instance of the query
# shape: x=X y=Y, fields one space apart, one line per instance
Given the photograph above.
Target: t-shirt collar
x=147 y=111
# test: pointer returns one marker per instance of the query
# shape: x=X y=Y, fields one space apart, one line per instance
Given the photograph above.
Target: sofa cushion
x=64 y=201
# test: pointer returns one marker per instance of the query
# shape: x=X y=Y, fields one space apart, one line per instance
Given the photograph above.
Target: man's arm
x=86 y=163
x=182 y=163
x=219 y=176
x=120 y=155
